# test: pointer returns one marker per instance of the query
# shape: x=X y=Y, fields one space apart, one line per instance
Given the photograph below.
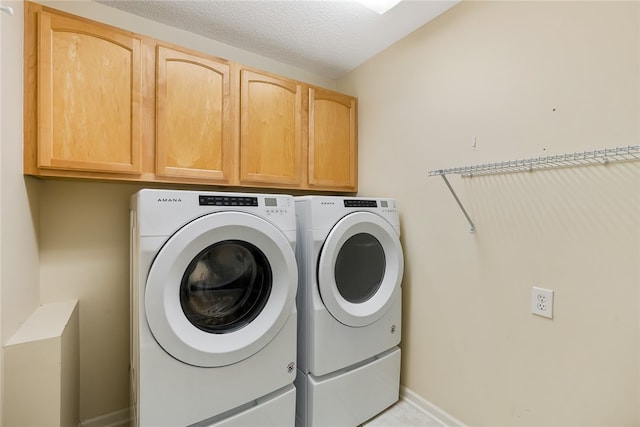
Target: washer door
x=360 y=269
x=220 y=289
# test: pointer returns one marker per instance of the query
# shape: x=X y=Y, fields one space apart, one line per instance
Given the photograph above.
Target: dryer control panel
x=385 y=205
x=360 y=203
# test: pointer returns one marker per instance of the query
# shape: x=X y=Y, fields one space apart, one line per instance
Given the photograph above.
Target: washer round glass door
x=360 y=269
x=220 y=289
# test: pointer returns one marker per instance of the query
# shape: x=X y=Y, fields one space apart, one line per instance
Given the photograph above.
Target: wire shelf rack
x=604 y=156
x=585 y=158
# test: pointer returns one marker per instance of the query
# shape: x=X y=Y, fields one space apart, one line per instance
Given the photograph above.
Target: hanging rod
x=605 y=156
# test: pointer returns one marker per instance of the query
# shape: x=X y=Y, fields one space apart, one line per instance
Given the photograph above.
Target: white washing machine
x=213 y=315
x=350 y=263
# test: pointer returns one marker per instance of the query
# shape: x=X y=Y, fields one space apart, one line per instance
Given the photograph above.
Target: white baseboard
x=434 y=411
x=121 y=418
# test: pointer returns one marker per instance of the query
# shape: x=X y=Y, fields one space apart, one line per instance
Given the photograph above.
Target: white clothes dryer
x=351 y=265
x=213 y=315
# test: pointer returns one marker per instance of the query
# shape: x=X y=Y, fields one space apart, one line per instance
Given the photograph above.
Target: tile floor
x=403 y=414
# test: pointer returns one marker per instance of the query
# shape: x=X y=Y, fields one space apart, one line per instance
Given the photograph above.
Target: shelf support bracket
x=466 y=215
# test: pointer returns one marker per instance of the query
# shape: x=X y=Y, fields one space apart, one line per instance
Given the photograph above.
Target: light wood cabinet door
x=88 y=96
x=270 y=130
x=194 y=124
x=333 y=156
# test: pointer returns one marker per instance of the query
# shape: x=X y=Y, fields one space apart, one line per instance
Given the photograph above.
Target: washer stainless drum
x=351 y=265
x=213 y=312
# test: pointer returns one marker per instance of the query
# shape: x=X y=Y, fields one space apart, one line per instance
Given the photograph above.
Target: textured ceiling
x=326 y=37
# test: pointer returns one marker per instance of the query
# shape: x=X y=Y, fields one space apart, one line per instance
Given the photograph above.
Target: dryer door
x=360 y=269
x=220 y=289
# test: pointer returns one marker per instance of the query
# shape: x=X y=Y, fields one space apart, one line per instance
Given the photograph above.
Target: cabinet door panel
x=332 y=140
x=193 y=122
x=88 y=97
x=270 y=136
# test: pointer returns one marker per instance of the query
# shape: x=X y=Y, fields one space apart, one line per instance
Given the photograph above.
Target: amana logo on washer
x=169 y=200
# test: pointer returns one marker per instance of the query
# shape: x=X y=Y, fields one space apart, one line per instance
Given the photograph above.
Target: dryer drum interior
x=360 y=267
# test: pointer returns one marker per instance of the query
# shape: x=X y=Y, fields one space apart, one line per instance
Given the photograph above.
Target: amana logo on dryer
x=169 y=200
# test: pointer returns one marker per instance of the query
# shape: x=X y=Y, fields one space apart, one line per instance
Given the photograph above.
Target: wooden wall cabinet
x=88 y=97
x=270 y=130
x=332 y=141
x=194 y=116
x=104 y=103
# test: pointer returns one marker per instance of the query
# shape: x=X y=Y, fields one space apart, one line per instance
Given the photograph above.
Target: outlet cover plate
x=542 y=302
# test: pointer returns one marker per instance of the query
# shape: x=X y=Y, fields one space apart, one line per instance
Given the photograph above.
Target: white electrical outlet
x=542 y=302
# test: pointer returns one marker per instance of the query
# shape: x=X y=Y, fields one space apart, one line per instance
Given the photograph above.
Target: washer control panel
x=229 y=201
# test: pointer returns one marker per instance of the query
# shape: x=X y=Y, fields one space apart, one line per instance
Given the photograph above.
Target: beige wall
x=526 y=79
x=1 y=227
x=85 y=255
x=19 y=195
x=19 y=273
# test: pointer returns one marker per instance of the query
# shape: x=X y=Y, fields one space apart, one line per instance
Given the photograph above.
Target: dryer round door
x=360 y=269
x=220 y=289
